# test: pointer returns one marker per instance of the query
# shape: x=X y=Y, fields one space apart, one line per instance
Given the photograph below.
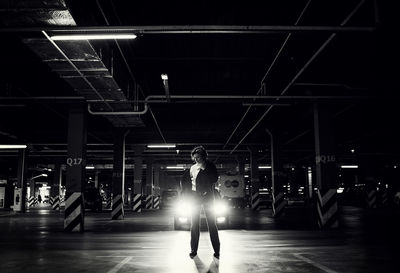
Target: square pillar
x=75 y=169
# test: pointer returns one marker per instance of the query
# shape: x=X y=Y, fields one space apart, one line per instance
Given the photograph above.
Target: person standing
x=200 y=181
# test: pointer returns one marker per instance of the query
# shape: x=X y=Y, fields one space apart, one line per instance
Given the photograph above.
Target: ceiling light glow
x=161 y=146
x=13 y=146
x=349 y=166
x=75 y=37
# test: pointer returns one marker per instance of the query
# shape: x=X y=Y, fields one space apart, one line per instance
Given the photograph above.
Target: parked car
x=168 y=198
x=184 y=207
x=92 y=199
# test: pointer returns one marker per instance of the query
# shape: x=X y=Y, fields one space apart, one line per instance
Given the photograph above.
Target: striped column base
x=255 y=201
x=327 y=208
x=148 y=202
x=108 y=202
x=371 y=199
x=156 y=202
x=31 y=201
x=74 y=217
x=51 y=200
x=55 y=205
x=117 y=211
x=384 y=199
x=137 y=203
x=278 y=204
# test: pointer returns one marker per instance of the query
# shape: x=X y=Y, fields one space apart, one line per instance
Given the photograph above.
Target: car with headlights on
x=184 y=208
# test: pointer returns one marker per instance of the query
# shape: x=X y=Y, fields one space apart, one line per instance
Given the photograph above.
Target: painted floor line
x=120 y=265
x=320 y=266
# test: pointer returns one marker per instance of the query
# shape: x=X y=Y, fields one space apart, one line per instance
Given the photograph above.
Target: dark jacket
x=205 y=180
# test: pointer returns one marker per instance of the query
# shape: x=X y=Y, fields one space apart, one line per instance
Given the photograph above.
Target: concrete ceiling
x=218 y=57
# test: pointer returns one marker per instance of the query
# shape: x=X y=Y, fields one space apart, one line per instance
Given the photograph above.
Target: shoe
x=216 y=255
x=192 y=254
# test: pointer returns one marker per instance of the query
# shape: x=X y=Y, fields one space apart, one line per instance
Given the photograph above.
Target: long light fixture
x=110 y=36
x=13 y=146
x=264 y=167
x=349 y=166
x=161 y=146
x=175 y=167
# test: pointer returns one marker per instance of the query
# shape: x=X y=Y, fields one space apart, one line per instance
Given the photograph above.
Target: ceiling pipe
x=198 y=98
x=321 y=48
x=130 y=113
x=189 y=29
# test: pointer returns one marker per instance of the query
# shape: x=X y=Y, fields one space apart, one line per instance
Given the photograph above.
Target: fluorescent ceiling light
x=89 y=167
x=349 y=166
x=164 y=77
x=175 y=167
x=74 y=37
x=161 y=146
x=12 y=146
x=264 y=167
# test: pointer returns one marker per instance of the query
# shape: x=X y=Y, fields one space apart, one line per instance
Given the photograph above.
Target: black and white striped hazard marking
x=137 y=203
x=31 y=201
x=108 y=202
x=156 y=202
x=327 y=208
x=255 y=201
x=278 y=204
x=371 y=198
x=117 y=212
x=55 y=203
x=148 y=201
x=384 y=199
x=73 y=217
x=51 y=200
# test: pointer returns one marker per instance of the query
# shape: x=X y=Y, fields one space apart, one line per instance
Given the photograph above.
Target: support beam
x=75 y=169
x=279 y=177
x=255 y=180
x=325 y=168
x=118 y=177
x=21 y=182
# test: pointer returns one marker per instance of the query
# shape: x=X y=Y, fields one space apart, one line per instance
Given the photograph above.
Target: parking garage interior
x=102 y=102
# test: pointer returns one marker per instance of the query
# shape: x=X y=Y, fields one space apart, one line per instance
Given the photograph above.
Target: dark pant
x=207 y=205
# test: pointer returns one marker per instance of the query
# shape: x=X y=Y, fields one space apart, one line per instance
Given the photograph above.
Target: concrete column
x=118 y=177
x=156 y=180
x=21 y=178
x=255 y=180
x=279 y=177
x=32 y=189
x=241 y=164
x=138 y=184
x=56 y=183
x=325 y=167
x=75 y=169
x=369 y=172
x=138 y=172
x=325 y=159
x=55 y=187
x=96 y=179
x=149 y=177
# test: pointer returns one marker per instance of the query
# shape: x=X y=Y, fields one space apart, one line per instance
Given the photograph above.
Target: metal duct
x=75 y=61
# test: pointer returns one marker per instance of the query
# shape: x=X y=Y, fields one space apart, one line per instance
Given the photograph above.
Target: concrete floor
x=367 y=241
